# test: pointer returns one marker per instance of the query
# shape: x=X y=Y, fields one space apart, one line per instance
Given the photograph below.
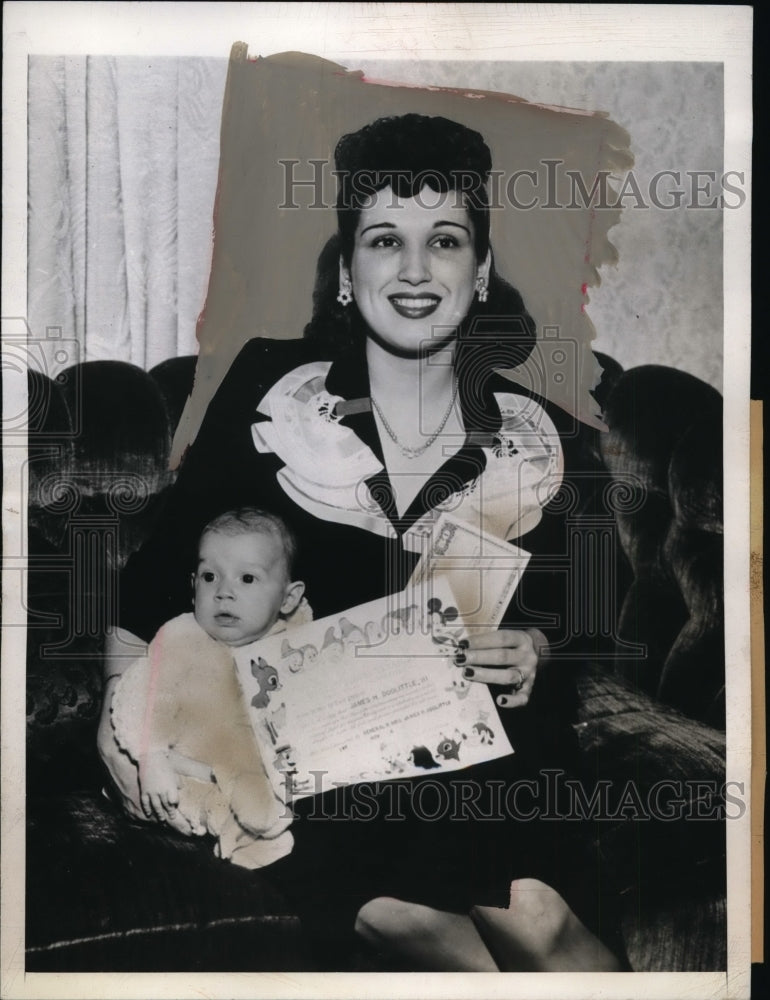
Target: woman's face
x=414 y=267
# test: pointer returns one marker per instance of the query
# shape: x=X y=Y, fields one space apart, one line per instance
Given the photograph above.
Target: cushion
x=105 y=893
x=663 y=830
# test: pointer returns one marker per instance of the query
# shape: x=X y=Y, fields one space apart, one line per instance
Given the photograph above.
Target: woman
x=388 y=411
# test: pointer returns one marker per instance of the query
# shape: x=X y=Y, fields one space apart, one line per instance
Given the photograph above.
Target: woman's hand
x=504 y=657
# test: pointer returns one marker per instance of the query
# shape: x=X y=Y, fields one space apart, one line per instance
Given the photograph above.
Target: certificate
x=372 y=694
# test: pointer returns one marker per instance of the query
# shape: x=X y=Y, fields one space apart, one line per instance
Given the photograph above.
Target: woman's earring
x=345 y=294
x=481 y=289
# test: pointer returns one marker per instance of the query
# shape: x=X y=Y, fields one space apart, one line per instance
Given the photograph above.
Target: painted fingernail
x=463 y=644
x=502 y=701
x=459 y=658
x=468 y=672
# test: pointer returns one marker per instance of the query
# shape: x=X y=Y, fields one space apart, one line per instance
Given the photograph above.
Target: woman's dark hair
x=406 y=153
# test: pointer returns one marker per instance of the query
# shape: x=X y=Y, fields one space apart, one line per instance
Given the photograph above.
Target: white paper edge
x=470 y=32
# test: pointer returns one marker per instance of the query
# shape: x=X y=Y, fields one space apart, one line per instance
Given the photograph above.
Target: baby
x=178 y=712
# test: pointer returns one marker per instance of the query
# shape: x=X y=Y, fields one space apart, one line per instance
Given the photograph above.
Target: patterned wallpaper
x=663 y=302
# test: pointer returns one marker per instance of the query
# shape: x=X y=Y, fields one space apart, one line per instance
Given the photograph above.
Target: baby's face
x=240 y=586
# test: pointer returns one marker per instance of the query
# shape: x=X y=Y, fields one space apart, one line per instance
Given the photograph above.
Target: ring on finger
x=519 y=684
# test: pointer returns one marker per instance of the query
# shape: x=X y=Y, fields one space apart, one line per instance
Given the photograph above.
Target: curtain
x=122 y=175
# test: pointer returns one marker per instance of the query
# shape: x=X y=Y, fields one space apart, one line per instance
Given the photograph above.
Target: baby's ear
x=292 y=597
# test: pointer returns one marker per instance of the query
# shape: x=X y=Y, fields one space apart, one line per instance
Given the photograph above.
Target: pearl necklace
x=405 y=450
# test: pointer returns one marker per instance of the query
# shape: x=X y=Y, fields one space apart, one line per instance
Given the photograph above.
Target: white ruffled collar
x=327 y=465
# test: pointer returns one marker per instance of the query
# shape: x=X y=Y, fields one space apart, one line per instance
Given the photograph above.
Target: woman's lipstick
x=412 y=305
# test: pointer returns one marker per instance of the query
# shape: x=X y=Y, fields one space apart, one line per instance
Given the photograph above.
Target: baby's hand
x=159 y=786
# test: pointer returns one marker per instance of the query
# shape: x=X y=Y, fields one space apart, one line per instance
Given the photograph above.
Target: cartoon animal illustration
x=400 y=620
x=448 y=749
x=294 y=657
x=284 y=760
x=332 y=648
x=374 y=633
x=395 y=765
x=309 y=654
x=392 y=760
x=483 y=732
x=276 y=721
x=352 y=635
x=437 y=616
x=439 y=620
x=267 y=678
x=422 y=757
x=285 y=764
x=459 y=686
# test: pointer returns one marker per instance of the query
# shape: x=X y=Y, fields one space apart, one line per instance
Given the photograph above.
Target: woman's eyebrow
x=446 y=222
x=436 y=225
x=379 y=225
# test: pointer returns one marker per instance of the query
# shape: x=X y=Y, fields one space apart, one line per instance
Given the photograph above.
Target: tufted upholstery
x=693 y=674
x=117 y=410
x=50 y=452
x=174 y=378
x=665 y=431
x=670 y=872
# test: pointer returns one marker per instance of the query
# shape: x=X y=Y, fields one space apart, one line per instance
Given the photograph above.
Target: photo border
x=346 y=33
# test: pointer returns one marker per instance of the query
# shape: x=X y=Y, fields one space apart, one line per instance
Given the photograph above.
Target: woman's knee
x=539 y=932
x=536 y=917
x=394 y=920
x=386 y=917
